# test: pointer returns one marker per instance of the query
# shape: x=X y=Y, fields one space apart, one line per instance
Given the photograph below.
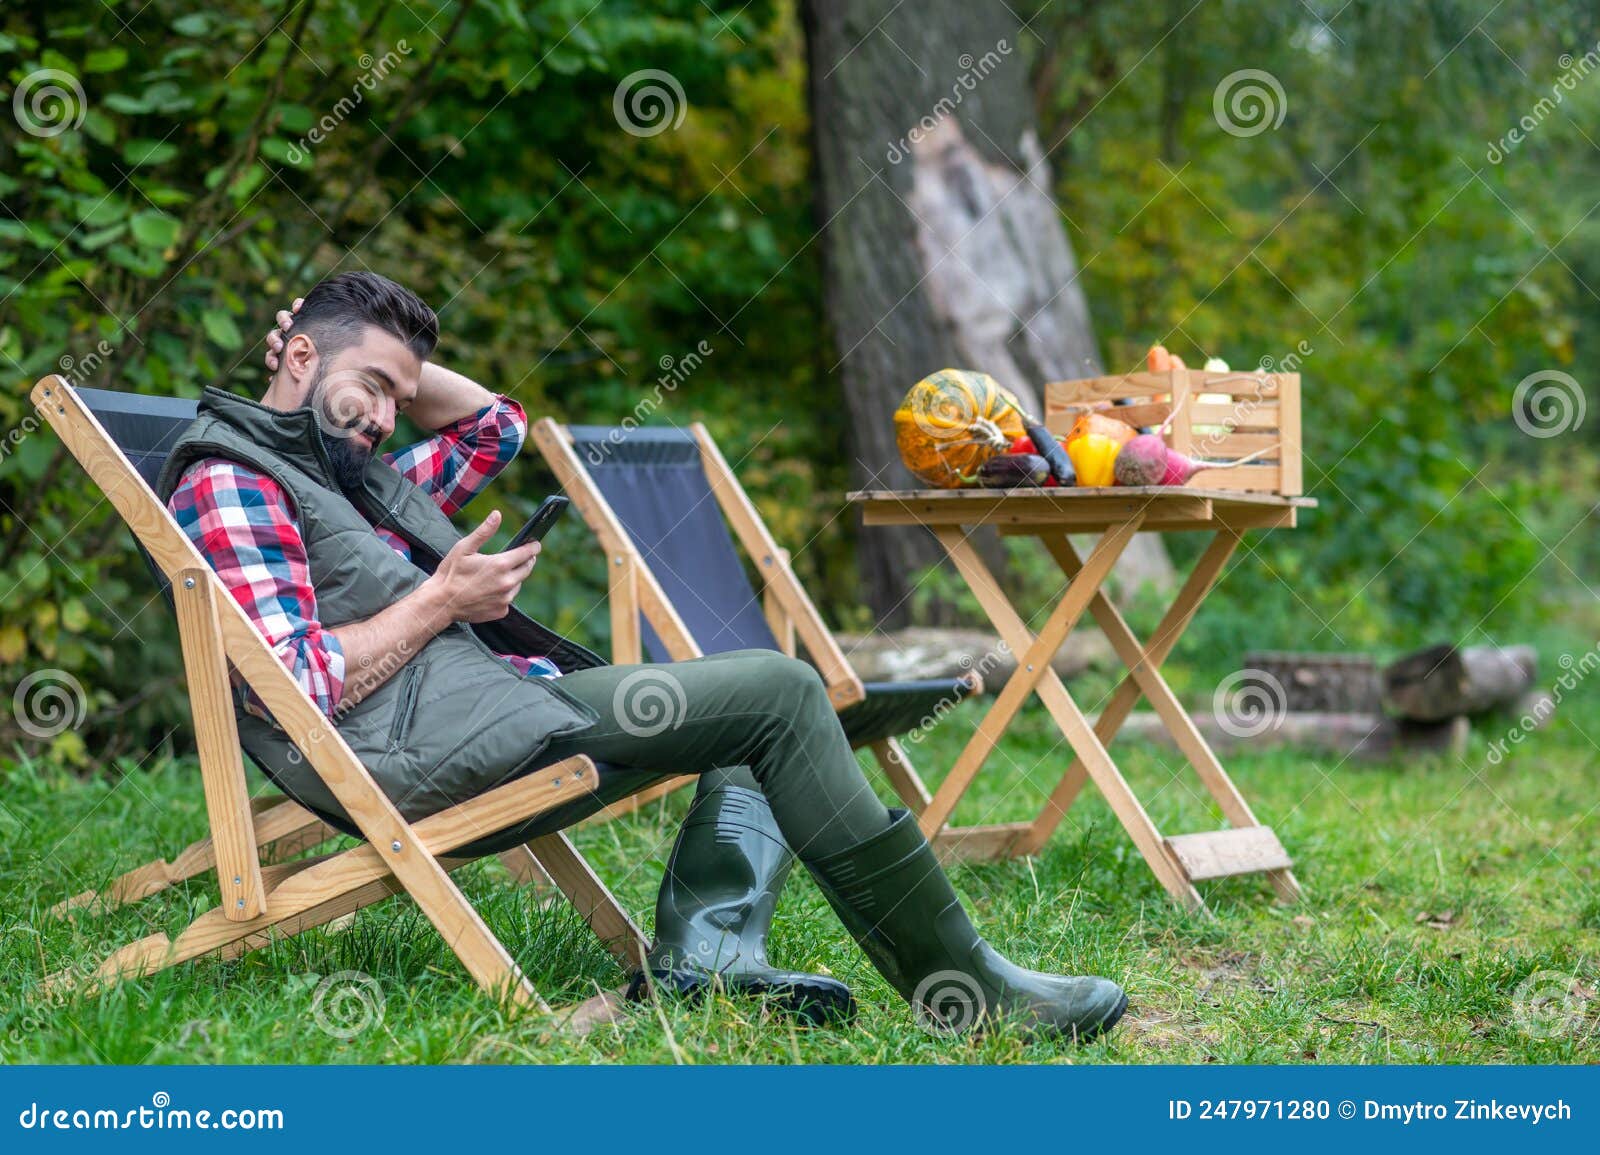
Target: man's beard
x=347 y=456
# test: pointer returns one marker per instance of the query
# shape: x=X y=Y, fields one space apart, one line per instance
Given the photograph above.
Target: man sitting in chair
x=404 y=632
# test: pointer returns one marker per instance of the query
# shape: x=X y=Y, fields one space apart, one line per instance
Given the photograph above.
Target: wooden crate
x=1221 y=415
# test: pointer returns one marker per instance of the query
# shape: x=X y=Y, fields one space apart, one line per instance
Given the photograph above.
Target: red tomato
x=1023 y=444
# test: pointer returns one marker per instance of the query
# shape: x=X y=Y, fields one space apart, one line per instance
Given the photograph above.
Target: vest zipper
x=410 y=686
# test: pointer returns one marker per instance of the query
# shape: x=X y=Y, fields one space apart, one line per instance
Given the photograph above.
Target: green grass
x=1349 y=976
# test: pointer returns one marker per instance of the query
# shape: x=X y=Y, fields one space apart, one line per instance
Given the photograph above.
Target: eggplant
x=1011 y=471
x=1055 y=457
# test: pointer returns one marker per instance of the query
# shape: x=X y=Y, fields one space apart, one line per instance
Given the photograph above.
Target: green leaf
x=75 y=616
x=123 y=103
x=248 y=181
x=285 y=153
x=194 y=24
x=142 y=151
x=157 y=230
x=220 y=328
x=295 y=118
x=105 y=60
x=101 y=237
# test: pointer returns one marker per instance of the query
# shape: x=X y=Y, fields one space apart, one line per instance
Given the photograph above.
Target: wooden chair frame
x=634 y=590
x=261 y=900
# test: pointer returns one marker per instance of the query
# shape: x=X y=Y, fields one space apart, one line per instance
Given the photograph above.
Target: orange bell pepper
x=1115 y=428
x=1094 y=455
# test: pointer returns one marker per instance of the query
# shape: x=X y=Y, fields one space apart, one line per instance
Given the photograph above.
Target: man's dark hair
x=337 y=309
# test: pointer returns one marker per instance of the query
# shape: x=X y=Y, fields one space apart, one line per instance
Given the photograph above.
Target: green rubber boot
x=715 y=908
x=894 y=898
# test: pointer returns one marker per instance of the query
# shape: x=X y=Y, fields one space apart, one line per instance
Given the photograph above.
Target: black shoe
x=715 y=908
x=894 y=898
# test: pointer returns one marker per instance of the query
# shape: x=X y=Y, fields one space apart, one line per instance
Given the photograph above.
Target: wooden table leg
x=1123 y=699
x=1074 y=726
x=1032 y=663
x=1144 y=669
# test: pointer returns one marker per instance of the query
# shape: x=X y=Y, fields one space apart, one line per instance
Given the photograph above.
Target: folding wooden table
x=1116 y=514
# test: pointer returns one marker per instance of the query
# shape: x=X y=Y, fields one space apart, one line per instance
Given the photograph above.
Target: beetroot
x=1180 y=468
x=1143 y=461
x=1146 y=460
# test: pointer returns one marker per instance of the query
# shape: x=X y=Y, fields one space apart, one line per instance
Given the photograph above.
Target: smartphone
x=548 y=513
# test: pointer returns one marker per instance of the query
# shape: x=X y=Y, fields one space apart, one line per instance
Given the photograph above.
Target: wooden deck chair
x=656 y=498
x=262 y=900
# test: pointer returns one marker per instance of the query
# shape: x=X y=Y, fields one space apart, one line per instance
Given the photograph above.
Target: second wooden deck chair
x=262 y=900
x=657 y=497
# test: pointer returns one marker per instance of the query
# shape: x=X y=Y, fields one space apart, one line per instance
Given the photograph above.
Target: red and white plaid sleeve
x=455 y=464
x=242 y=522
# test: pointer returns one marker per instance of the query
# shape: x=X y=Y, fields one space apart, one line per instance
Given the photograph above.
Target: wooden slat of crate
x=1256 y=477
x=1221 y=443
x=1244 y=414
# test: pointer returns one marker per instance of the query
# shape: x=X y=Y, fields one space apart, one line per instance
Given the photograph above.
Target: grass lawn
x=1452 y=916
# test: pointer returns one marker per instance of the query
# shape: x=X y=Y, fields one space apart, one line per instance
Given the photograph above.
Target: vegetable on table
x=951 y=422
x=1142 y=461
x=1044 y=443
x=1094 y=422
x=1010 y=471
x=1094 y=457
x=1179 y=469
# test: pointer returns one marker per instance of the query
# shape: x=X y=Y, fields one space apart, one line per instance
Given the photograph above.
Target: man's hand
x=471 y=586
x=275 y=338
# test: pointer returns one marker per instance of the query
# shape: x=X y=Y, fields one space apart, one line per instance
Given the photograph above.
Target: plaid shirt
x=243 y=524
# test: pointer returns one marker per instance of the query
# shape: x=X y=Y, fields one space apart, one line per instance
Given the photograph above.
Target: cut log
x=923 y=652
x=1444 y=681
x=1323 y=683
x=1356 y=737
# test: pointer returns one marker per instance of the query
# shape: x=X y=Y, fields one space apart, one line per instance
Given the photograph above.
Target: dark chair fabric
x=653 y=479
x=145 y=429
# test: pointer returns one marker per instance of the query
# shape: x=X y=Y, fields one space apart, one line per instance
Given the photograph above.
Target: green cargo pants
x=756 y=718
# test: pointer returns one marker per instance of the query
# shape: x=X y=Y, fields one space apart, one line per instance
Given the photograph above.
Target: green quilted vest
x=454 y=720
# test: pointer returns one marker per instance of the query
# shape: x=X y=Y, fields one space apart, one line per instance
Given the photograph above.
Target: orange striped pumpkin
x=953 y=421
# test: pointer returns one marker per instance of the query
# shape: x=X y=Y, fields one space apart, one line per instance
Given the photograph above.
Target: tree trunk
x=941 y=243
